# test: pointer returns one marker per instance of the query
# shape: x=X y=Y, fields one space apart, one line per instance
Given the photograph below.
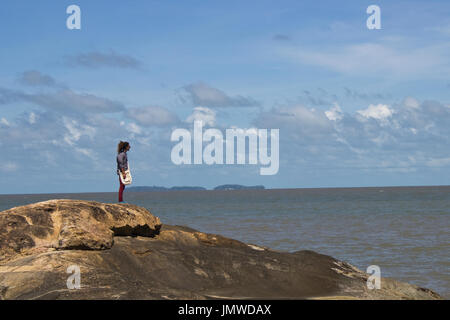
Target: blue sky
x=355 y=107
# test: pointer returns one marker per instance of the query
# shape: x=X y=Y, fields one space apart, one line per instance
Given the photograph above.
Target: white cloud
x=4 y=122
x=133 y=128
x=32 y=118
x=204 y=114
x=383 y=58
x=335 y=113
x=65 y=101
x=380 y=133
x=203 y=95
x=302 y=121
x=152 y=116
x=75 y=131
x=412 y=103
x=379 y=112
x=86 y=152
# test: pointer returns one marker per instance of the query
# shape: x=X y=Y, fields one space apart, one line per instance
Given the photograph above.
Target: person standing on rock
x=122 y=165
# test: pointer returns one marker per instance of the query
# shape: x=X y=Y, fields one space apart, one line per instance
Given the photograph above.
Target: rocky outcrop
x=123 y=252
x=71 y=224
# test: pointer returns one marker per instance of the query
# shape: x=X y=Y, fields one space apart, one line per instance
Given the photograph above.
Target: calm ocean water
x=404 y=230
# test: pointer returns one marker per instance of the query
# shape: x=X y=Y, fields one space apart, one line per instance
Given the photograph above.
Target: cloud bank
x=201 y=94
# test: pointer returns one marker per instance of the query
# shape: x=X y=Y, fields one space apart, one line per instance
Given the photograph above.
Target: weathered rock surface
x=123 y=252
x=71 y=224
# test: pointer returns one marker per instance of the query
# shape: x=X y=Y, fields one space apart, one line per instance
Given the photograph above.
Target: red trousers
x=122 y=187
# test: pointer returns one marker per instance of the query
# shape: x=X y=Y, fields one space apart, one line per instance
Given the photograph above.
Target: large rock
x=146 y=261
x=71 y=224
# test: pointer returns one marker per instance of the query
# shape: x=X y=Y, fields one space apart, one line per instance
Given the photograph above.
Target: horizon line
x=265 y=188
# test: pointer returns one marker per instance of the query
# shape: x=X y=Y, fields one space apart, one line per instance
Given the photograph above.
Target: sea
x=405 y=231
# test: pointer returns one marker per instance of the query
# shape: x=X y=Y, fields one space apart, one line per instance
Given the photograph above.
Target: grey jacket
x=122 y=161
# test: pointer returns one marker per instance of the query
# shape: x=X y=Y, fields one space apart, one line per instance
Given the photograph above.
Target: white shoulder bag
x=128 y=179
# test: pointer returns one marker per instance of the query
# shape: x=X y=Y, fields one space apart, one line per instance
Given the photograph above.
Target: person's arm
x=122 y=158
x=125 y=164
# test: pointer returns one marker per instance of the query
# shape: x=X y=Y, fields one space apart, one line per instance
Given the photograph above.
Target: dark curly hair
x=122 y=146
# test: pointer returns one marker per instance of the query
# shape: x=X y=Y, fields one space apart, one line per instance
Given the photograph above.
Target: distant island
x=190 y=188
x=236 y=187
x=157 y=188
